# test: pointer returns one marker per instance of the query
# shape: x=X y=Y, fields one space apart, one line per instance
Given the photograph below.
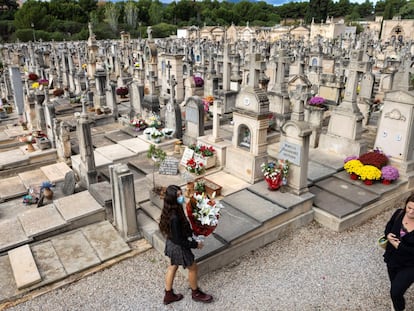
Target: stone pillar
x=294 y=147
x=87 y=168
x=123 y=201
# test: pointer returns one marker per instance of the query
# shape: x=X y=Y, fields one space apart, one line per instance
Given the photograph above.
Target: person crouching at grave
x=399 y=253
x=176 y=228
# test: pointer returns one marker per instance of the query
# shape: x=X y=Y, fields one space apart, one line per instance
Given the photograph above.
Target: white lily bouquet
x=203 y=213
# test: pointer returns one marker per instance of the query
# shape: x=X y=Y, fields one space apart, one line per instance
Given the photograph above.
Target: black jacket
x=177 y=235
x=404 y=255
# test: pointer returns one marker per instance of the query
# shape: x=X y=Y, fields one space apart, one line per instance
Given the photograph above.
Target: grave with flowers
x=370 y=167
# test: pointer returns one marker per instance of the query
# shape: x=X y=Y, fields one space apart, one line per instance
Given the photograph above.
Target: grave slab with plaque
x=169 y=166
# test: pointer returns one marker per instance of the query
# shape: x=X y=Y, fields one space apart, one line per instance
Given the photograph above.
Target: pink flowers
x=316 y=101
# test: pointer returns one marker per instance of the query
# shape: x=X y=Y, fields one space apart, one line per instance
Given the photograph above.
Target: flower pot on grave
x=210 y=187
x=353 y=176
x=274 y=183
x=368 y=182
x=29 y=147
x=210 y=161
x=386 y=181
x=48 y=193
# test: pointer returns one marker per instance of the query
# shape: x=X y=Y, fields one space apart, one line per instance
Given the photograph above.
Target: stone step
x=24 y=267
x=153 y=211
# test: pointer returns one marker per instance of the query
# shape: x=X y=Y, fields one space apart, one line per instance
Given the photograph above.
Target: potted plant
x=317 y=101
x=199 y=186
x=122 y=91
x=58 y=92
x=168 y=133
x=389 y=173
x=369 y=173
x=198 y=81
x=207 y=153
x=45 y=188
x=275 y=173
x=156 y=136
x=194 y=166
x=352 y=167
x=33 y=77
x=158 y=156
x=137 y=123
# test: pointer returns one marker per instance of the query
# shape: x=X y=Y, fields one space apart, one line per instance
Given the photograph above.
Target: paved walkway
x=311 y=269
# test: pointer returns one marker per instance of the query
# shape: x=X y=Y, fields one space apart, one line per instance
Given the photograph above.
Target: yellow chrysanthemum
x=353 y=166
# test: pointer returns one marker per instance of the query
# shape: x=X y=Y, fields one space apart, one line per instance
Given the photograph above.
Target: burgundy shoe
x=198 y=295
x=171 y=297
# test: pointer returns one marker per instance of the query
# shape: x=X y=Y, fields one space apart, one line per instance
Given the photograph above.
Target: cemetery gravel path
x=312 y=268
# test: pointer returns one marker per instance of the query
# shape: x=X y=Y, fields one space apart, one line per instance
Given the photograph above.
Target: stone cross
x=356 y=68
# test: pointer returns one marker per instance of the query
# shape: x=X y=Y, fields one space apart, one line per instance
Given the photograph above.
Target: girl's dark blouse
x=404 y=255
x=177 y=235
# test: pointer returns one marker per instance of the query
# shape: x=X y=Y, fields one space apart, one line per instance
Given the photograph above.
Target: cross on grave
x=356 y=68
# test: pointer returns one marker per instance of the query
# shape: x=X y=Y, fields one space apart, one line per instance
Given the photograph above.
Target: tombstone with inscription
x=169 y=166
x=194 y=120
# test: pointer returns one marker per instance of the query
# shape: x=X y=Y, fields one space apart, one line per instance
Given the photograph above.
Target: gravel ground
x=313 y=268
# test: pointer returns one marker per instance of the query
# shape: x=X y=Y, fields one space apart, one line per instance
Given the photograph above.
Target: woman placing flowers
x=175 y=227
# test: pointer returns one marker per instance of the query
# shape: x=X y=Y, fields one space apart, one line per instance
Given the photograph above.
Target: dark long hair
x=171 y=207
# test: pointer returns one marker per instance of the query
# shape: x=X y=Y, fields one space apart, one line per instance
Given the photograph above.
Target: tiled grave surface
x=7 y=285
x=12 y=158
x=55 y=172
x=77 y=206
x=40 y=220
x=100 y=141
x=256 y=207
x=33 y=178
x=75 y=252
x=117 y=136
x=333 y=204
x=240 y=224
x=317 y=171
x=11 y=187
x=135 y=145
x=105 y=240
x=345 y=190
x=229 y=183
x=11 y=233
x=48 y=263
x=284 y=199
x=114 y=152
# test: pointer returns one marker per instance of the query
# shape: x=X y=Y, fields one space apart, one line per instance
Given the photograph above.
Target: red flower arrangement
x=58 y=92
x=122 y=91
x=205 y=151
x=194 y=166
x=375 y=158
x=33 y=76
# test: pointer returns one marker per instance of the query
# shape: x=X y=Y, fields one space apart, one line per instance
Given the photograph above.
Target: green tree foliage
x=407 y=11
x=317 y=10
x=163 y=30
x=155 y=12
x=112 y=12
x=131 y=14
x=70 y=17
